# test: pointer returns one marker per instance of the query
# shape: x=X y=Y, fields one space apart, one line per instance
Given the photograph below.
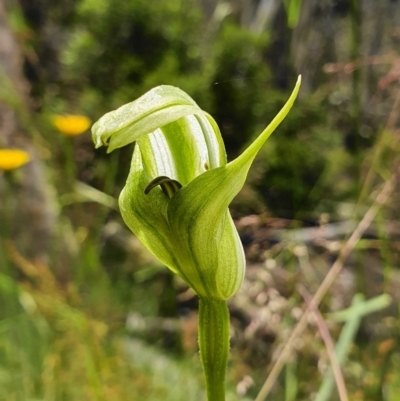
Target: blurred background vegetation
x=85 y=311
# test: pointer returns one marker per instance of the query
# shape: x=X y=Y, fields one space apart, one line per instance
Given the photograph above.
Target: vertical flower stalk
x=214 y=345
x=176 y=202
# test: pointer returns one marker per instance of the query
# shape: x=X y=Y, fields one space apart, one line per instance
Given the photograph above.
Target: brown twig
x=362 y=226
x=329 y=345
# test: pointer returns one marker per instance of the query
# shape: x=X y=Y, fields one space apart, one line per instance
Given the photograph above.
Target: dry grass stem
x=330 y=347
x=348 y=247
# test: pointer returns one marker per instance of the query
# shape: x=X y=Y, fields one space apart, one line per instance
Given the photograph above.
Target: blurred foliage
x=120 y=49
x=296 y=188
x=53 y=349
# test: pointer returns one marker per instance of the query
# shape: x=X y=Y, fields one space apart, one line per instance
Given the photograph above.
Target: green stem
x=214 y=345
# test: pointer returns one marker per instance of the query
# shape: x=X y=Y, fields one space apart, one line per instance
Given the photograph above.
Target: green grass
x=51 y=348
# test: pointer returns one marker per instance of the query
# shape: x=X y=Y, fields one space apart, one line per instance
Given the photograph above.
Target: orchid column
x=176 y=202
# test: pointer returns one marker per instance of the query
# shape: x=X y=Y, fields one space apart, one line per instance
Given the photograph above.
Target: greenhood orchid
x=176 y=202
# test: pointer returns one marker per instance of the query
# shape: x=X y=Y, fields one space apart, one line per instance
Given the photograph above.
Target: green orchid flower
x=176 y=202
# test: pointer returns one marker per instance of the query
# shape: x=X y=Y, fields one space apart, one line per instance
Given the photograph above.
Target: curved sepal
x=146 y=215
x=202 y=226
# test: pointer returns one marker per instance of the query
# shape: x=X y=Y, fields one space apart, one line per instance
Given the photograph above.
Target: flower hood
x=180 y=185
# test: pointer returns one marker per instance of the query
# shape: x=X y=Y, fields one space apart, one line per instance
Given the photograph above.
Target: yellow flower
x=11 y=159
x=71 y=125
